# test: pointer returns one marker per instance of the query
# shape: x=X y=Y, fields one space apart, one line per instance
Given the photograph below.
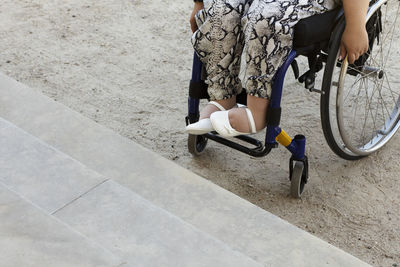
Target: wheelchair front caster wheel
x=298 y=178
x=196 y=144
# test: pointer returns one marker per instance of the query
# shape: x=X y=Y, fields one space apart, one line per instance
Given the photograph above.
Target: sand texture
x=126 y=64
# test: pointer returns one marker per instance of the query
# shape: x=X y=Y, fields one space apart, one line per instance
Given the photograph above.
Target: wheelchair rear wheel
x=360 y=104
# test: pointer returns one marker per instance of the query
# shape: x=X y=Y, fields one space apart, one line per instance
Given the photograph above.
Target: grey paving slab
x=238 y=223
x=144 y=234
x=40 y=173
x=31 y=238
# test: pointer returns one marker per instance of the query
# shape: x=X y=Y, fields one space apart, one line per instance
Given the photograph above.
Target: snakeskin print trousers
x=259 y=32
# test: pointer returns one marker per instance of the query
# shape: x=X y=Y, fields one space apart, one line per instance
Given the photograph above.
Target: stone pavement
x=74 y=193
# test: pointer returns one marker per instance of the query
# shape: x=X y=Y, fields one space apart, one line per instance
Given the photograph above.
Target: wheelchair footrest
x=259 y=150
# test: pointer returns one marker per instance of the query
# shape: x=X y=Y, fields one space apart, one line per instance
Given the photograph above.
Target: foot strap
x=251 y=121
x=217 y=105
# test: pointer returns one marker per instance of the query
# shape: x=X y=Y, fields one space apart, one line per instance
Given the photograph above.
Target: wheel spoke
x=391 y=40
x=356 y=106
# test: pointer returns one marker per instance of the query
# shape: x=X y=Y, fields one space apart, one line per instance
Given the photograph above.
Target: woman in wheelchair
x=261 y=31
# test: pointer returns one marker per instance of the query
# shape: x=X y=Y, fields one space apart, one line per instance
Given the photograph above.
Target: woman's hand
x=354 y=43
x=197 y=7
x=355 y=37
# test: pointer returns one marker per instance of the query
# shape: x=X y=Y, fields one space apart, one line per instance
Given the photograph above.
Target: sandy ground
x=126 y=64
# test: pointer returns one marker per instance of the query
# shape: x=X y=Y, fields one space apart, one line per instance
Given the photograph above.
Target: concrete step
x=31 y=237
x=143 y=234
x=40 y=173
x=236 y=222
x=103 y=211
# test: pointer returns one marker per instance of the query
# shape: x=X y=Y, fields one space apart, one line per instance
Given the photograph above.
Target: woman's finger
x=197 y=7
x=193 y=26
x=351 y=57
x=343 y=52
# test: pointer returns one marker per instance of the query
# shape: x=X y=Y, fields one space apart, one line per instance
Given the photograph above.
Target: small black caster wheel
x=298 y=177
x=196 y=144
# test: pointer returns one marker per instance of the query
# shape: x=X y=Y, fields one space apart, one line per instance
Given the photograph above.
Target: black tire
x=340 y=131
x=297 y=180
x=196 y=144
x=326 y=120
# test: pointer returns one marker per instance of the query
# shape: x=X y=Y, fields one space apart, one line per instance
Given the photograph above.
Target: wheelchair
x=359 y=103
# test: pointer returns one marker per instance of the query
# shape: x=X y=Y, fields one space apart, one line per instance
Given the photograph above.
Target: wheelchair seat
x=313 y=33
